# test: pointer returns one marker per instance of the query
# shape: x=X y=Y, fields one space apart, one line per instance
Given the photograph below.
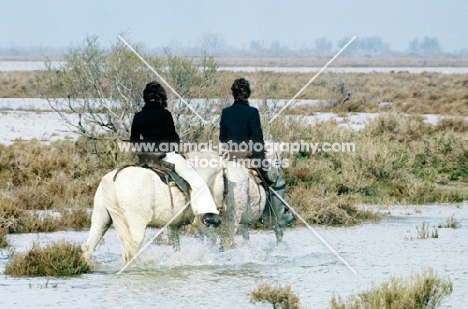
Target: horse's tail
x=128 y=246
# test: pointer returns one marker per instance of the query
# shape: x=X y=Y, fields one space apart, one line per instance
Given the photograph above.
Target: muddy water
x=201 y=277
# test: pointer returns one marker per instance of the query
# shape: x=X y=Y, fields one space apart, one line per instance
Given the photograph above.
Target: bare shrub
x=98 y=91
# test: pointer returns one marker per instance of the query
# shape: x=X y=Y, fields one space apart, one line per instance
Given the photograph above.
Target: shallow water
x=39 y=65
x=200 y=276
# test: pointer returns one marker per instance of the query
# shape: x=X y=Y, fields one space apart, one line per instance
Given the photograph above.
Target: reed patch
x=280 y=297
x=451 y=222
x=59 y=259
x=425 y=290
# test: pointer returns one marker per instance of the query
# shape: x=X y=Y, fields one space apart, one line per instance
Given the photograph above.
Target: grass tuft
x=3 y=233
x=278 y=296
x=423 y=231
x=451 y=222
x=59 y=259
x=419 y=291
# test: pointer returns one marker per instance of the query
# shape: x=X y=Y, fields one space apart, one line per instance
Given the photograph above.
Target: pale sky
x=294 y=23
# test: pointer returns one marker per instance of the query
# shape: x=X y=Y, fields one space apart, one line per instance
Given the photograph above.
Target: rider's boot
x=277 y=183
x=209 y=219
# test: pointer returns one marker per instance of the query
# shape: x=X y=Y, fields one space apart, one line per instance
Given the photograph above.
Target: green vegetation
x=58 y=259
x=420 y=291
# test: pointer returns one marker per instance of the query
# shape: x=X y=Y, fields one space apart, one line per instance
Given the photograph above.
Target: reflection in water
x=200 y=276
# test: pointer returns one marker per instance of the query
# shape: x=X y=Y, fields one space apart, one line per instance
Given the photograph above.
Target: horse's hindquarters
x=245 y=196
x=141 y=193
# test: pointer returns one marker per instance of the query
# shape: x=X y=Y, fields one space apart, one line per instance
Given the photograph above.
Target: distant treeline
x=32 y=52
x=215 y=44
x=361 y=46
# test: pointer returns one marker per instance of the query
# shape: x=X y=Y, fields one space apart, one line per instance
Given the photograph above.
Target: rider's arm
x=170 y=127
x=222 y=130
x=255 y=127
x=135 y=131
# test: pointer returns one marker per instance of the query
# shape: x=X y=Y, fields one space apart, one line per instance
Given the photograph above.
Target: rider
x=154 y=124
x=240 y=123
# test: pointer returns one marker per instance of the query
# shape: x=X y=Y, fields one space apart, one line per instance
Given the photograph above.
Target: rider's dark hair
x=154 y=93
x=241 y=89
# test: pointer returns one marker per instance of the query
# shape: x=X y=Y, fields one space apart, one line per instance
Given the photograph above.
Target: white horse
x=245 y=204
x=138 y=199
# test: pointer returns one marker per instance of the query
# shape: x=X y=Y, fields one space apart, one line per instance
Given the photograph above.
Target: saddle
x=235 y=155
x=165 y=170
x=244 y=157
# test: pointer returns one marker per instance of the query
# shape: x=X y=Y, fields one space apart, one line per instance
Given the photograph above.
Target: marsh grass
x=3 y=241
x=59 y=259
x=397 y=159
x=320 y=208
x=451 y=222
x=346 y=61
x=430 y=93
x=17 y=84
x=423 y=232
x=419 y=291
x=278 y=297
x=47 y=188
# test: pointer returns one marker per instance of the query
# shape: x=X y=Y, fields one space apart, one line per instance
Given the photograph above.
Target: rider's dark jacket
x=154 y=124
x=239 y=123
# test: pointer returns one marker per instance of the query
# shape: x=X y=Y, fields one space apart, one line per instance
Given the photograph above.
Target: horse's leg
x=175 y=237
x=199 y=235
x=137 y=227
x=278 y=233
x=100 y=223
x=270 y=220
x=228 y=228
x=245 y=231
x=126 y=223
